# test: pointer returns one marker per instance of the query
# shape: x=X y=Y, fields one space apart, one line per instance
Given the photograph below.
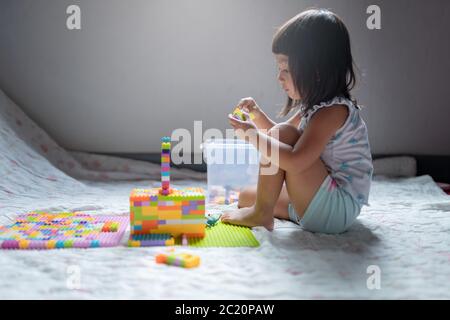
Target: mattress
x=398 y=248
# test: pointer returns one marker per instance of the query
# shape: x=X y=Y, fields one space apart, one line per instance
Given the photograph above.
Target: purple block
x=10 y=244
x=185 y=210
x=37 y=245
x=137 y=203
x=81 y=244
x=151 y=243
x=176 y=262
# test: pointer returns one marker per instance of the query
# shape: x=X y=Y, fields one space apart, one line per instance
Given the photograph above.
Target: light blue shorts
x=332 y=209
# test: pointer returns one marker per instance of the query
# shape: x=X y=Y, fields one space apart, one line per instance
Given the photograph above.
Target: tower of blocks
x=159 y=215
x=165 y=166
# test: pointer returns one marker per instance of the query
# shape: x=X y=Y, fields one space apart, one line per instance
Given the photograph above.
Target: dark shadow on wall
x=437 y=166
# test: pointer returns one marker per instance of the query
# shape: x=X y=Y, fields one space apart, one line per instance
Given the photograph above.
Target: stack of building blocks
x=42 y=230
x=159 y=215
x=165 y=166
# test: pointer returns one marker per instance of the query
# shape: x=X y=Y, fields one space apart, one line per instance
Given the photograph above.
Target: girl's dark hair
x=317 y=44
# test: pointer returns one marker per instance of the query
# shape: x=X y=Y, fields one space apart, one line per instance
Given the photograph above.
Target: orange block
x=148 y=225
x=163 y=208
x=197 y=212
x=170 y=215
x=194 y=235
x=50 y=244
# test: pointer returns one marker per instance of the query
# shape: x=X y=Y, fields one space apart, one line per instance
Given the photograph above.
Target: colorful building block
x=165 y=211
x=184 y=260
x=237 y=113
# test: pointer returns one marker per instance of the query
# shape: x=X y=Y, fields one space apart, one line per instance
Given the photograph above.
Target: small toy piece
x=237 y=113
x=227 y=194
x=212 y=220
x=110 y=226
x=184 y=260
x=184 y=241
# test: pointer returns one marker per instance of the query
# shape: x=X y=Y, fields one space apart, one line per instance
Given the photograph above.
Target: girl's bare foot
x=249 y=217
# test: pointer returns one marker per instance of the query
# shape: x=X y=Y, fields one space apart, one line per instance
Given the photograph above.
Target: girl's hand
x=249 y=105
x=259 y=118
x=243 y=129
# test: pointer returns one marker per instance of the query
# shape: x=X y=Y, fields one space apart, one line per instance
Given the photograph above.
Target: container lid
x=225 y=143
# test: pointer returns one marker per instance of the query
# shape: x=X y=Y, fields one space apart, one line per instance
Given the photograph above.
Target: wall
x=139 y=69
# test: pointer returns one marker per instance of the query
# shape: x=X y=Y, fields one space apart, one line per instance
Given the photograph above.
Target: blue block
x=95 y=243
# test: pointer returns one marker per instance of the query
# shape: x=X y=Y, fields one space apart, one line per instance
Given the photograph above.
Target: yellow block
x=132 y=243
x=23 y=244
x=169 y=214
x=149 y=211
x=178 y=229
x=51 y=244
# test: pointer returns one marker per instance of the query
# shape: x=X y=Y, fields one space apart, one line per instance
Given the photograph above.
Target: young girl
x=324 y=165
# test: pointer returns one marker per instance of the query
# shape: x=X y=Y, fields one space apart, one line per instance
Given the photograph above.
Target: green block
x=193 y=217
x=138 y=213
x=147 y=218
x=68 y=244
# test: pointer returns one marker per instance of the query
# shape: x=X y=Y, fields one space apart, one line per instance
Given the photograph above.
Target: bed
x=403 y=235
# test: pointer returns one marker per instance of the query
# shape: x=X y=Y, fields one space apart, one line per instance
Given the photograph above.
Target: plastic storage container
x=231 y=165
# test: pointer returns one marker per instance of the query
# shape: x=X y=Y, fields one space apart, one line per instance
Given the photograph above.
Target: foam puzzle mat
x=42 y=230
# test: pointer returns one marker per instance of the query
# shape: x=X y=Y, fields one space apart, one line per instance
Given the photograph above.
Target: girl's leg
x=299 y=190
x=247 y=198
x=267 y=191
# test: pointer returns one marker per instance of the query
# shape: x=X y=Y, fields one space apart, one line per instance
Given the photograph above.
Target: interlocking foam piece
x=41 y=230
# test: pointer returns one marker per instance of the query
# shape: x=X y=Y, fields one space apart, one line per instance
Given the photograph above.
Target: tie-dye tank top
x=347 y=155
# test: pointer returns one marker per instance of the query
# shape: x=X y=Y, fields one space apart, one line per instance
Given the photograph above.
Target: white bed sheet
x=405 y=232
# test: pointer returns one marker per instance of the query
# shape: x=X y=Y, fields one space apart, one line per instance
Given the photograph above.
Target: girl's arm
x=295 y=119
x=311 y=144
x=262 y=120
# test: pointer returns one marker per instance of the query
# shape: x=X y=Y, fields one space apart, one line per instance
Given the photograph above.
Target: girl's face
x=285 y=78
